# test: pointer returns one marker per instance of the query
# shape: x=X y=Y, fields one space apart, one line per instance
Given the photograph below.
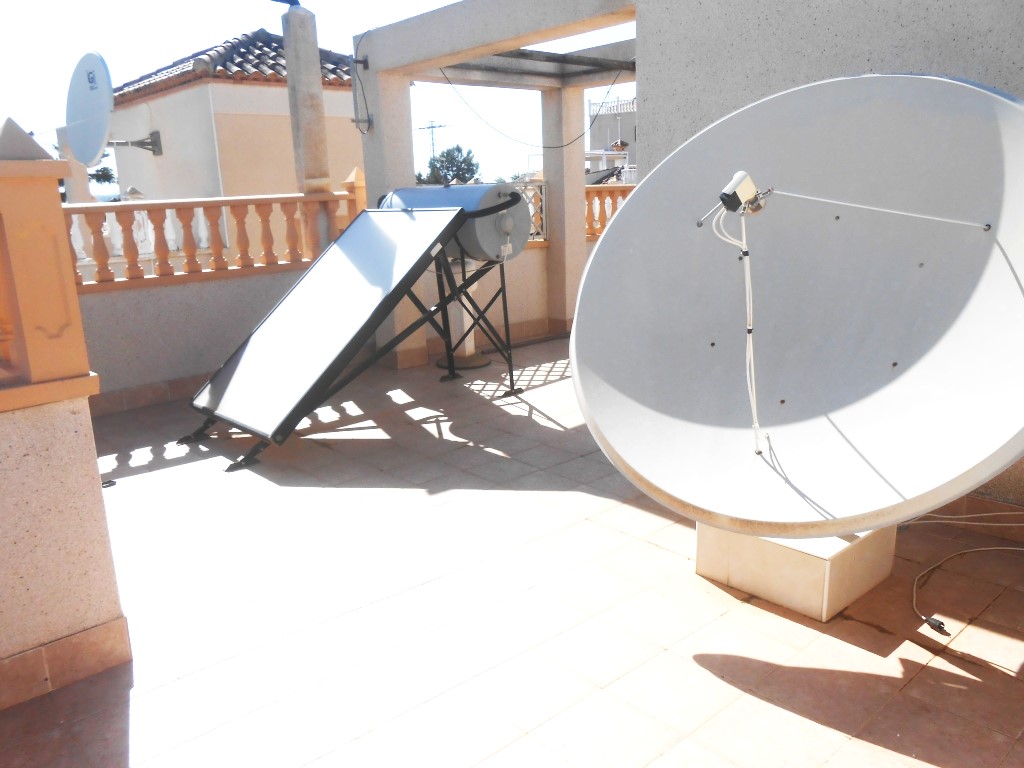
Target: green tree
x=103 y=175
x=452 y=164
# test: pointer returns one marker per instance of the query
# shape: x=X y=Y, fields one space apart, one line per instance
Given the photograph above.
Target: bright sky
x=45 y=40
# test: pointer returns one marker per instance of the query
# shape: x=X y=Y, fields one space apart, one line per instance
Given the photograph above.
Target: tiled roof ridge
x=253 y=56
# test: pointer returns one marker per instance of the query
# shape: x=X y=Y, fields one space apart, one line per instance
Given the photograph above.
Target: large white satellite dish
x=886 y=301
x=89 y=108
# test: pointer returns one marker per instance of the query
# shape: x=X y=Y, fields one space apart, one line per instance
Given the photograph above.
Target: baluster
x=68 y=225
x=243 y=259
x=616 y=202
x=352 y=209
x=266 y=235
x=125 y=220
x=291 y=231
x=311 y=229
x=188 y=245
x=334 y=224
x=602 y=212
x=157 y=217
x=100 y=254
x=590 y=213
x=217 y=260
x=355 y=185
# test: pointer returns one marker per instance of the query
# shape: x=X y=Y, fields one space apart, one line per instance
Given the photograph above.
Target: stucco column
x=306 y=100
x=388 y=156
x=562 y=124
x=309 y=124
x=387 y=143
x=60 y=615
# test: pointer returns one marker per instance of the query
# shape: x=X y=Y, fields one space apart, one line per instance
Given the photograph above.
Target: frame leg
x=199 y=434
x=249 y=458
x=513 y=389
x=441 y=263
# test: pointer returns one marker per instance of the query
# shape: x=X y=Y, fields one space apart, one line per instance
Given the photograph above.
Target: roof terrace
x=427 y=573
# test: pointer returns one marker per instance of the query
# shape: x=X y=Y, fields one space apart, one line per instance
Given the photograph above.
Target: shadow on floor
x=83 y=725
x=920 y=714
x=398 y=429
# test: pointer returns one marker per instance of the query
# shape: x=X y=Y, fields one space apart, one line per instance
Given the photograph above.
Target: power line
x=483 y=120
x=432 y=127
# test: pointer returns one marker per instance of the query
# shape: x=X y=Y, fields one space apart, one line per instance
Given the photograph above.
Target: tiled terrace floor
x=431 y=575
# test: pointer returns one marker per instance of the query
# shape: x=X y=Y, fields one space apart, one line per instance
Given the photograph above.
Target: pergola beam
x=592 y=63
x=426 y=42
x=471 y=74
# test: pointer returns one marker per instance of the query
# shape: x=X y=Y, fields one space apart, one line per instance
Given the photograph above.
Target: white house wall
x=254 y=138
x=224 y=138
x=188 y=166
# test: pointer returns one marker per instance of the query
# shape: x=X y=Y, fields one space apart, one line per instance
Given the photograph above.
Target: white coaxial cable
x=718 y=227
x=751 y=377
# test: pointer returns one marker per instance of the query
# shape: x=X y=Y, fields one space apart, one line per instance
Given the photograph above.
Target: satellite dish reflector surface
x=89 y=107
x=887 y=310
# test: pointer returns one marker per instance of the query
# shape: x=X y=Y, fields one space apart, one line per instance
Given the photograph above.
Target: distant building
x=614 y=127
x=224 y=122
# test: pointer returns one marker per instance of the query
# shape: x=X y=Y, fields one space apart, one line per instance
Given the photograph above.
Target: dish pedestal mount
x=814 y=577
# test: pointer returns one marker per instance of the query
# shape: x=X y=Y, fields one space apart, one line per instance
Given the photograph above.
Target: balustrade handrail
x=614 y=107
x=164 y=238
x=125 y=242
x=598 y=188
x=203 y=202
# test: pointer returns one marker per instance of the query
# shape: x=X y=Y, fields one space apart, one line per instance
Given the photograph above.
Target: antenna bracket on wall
x=367 y=121
x=153 y=143
x=365 y=61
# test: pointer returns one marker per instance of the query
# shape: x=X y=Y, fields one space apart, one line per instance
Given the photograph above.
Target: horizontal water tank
x=494 y=237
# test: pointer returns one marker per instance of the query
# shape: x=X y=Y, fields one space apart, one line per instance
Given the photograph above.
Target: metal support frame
x=501 y=342
x=249 y=458
x=451 y=290
x=151 y=143
x=428 y=314
x=199 y=434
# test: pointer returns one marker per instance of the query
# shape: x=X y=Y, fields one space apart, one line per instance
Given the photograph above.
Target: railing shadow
x=394 y=429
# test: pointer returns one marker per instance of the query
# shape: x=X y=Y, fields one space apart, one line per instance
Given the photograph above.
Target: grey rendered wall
x=698 y=61
x=151 y=335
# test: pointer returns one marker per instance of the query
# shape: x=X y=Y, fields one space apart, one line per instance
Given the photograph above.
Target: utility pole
x=432 y=126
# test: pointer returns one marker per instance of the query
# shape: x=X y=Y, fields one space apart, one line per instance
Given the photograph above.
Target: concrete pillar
x=388 y=156
x=306 y=100
x=562 y=123
x=387 y=143
x=60 y=614
x=309 y=124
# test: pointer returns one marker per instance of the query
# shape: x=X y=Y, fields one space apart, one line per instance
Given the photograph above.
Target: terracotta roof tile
x=253 y=57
